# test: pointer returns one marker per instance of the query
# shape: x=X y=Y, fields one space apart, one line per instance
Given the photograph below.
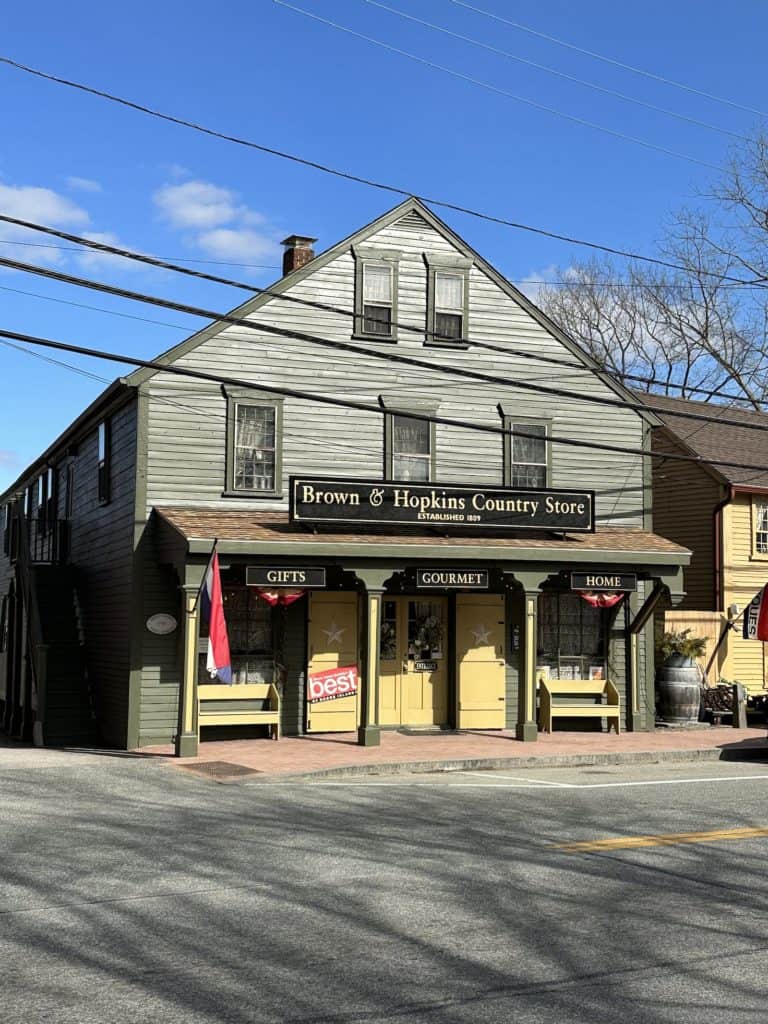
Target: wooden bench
x=250 y=704
x=578 y=698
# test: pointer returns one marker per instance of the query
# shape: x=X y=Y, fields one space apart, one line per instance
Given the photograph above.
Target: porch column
x=527 y=729
x=187 y=736
x=369 y=733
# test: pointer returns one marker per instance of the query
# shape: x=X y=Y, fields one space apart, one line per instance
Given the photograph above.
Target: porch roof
x=242 y=531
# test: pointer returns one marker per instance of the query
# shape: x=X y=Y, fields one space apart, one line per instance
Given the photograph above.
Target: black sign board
x=600 y=580
x=452 y=579
x=335 y=500
x=284 y=576
x=425 y=666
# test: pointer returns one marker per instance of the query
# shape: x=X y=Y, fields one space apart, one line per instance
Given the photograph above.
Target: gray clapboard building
x=382 y=565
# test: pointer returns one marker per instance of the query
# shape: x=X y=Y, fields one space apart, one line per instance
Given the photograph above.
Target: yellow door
x=413 y=677
x=333 y=637
x=480 y=666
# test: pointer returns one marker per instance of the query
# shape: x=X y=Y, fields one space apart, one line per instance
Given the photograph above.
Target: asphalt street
x=134 y=891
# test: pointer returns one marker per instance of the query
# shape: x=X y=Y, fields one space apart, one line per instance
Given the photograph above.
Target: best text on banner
x=284 y=576
x=333 y=500
x=332 y=684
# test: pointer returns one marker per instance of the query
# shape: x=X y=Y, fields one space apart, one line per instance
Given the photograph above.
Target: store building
x=720 y=512
x=383 y=565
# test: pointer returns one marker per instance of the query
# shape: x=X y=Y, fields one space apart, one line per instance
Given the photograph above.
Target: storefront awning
x=244 y=532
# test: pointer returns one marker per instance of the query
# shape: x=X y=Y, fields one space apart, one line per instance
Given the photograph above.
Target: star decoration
x=481 y=635
x=333 y=633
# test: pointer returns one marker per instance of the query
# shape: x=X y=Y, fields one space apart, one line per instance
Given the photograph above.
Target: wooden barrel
x=679 y=687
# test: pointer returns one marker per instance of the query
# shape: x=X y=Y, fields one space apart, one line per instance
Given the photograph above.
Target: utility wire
x=496 y=89
x=710 y=392
x=178 y=259
x=555 y=71
x=341 y=346
x=326 y=307
x=610 y=60
x=179 y=371
x=359 y=179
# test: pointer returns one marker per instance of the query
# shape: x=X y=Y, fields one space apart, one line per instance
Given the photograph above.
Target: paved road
x=131 y=891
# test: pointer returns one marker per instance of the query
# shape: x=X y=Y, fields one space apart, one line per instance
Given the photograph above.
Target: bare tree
x=689 y=332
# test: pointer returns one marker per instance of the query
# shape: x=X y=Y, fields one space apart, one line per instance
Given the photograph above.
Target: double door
x=413 y=674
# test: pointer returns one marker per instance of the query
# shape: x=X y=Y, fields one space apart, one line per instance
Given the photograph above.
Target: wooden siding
x=101 y=550
x=684 y=499
x=187 y=419
x=744 y=573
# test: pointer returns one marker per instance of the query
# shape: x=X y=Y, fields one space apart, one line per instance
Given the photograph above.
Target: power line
x=341 y=346
x=522 y=281
x=178 y=259
x=610 y=60
x=710 y=392
x=496 y=89
x=326 y=307
x=555 y=71
x=359 y=179
x=359 y=406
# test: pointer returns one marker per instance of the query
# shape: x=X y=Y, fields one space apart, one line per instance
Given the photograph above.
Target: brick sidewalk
x=338 y=753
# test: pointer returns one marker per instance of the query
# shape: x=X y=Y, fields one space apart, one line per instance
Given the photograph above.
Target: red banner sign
x=332 y=684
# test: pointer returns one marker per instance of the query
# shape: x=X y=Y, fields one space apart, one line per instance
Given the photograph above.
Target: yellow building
x=720 y=512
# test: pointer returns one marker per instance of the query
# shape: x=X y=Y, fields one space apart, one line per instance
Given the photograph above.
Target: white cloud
x=92 y=258
x=533 y=283
x=238 y=244
x=197 y=204
x=83 y=184
x=40 y=204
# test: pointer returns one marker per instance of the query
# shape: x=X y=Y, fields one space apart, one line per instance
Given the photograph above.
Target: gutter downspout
x=717 y=524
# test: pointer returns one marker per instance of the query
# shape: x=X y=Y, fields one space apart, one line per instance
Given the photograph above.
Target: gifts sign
x=332 y=684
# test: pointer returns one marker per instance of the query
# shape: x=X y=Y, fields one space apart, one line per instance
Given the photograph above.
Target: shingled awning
x=240 y=531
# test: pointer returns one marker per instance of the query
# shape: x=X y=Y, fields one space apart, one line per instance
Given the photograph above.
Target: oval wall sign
x=161 y=624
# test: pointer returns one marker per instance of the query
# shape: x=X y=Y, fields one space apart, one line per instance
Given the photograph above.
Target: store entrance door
x=413 y=675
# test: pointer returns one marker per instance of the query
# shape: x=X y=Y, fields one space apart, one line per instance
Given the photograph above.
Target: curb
x=756 y=753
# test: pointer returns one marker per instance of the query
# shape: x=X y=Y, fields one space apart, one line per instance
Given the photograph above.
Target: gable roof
x=714 y=440
x=410 y=205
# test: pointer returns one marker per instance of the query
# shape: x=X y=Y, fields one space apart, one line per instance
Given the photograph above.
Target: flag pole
x=205 y=573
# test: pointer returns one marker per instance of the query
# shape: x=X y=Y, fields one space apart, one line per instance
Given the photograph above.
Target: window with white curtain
x=411 y=448
x=255 y=447
x=449 y=306
x=528 y=455
x=377 y=298
x=761 y=528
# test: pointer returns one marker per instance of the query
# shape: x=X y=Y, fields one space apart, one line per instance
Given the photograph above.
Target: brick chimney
x=298 y=252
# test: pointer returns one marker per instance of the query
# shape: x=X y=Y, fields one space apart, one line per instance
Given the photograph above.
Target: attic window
x=447 y=299
x=376 y=272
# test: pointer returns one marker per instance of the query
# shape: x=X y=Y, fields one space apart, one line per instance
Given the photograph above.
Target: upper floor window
x=761 y=527
x=449 y=307
x=447 y=299
x=105 y=462
x=375 y=293
x=7 y=528
x=410 y=448
x=69 y=489
x=42 y=501
x=254 y=446
x=526 y=453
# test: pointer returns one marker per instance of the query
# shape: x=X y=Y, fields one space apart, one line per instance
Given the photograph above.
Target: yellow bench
x=590 y=692
x=219 y=704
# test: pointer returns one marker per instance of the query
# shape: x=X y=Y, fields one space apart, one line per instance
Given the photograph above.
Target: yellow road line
x=671 y=839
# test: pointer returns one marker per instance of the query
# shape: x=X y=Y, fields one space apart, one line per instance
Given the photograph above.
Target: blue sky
x=265 y=72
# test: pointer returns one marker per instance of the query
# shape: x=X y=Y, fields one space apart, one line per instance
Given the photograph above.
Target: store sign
x=450 y=579
x=601 y=581
x=332 y=500
x=283 y=576
x=332 y=684
x=425 y=666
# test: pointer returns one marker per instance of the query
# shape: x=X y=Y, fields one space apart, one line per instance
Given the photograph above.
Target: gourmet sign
x=332 y=684
x=331 y=500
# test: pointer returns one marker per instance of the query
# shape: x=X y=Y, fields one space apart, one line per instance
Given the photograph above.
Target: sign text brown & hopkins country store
x=334 y=500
